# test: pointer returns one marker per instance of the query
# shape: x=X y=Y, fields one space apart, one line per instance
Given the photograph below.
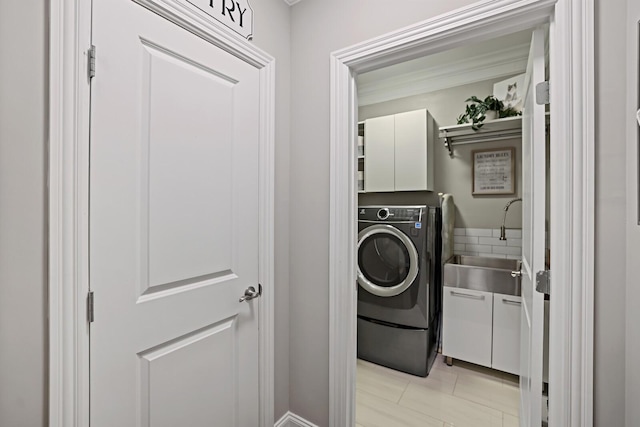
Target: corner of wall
x=292 y=420
x=632 y=232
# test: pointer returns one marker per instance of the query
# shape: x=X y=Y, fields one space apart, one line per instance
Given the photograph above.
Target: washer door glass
x=387 y=260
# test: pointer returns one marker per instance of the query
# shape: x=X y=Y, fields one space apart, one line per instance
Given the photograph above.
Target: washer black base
x=408 y=350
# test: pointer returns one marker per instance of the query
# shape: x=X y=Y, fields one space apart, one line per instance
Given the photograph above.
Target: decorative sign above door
x=235 y=14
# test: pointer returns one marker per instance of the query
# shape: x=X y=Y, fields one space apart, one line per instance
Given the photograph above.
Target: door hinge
x=92 y=61
x=543 y=282
x=90 y=317
x=542 y=93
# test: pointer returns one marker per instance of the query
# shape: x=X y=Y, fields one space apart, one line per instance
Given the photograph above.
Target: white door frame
x=69 y=99
x=572 y=199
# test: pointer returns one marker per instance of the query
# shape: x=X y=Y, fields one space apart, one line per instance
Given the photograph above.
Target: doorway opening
x=440 y=343
x=571 y=336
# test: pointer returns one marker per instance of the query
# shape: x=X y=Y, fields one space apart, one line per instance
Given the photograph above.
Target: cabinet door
x=379 y=154
x=467 y=323
x=506 y=333
x=411 y=151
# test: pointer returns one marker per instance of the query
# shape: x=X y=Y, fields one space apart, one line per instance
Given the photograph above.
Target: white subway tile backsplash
x=488 y=255
x=516 y=233
x=493 y=241
x=485 y=242
x=514 y=242
x=507 y=250
x=478 y=248
x=465 y=239
x=513 y=233
x=480 y=232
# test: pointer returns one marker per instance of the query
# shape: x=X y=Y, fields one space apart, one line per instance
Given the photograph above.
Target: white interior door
x=533 y=237
x=173 y=226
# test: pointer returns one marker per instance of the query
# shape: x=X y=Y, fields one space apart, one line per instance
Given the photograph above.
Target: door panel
x=173 y=225
x=533 y=237
x=194 y=375
x=186 y=180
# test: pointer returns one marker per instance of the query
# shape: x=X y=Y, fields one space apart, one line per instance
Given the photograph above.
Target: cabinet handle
x=460 y=294
x=508 y=301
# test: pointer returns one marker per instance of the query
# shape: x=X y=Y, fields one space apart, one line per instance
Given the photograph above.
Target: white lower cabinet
x=482 y=328
x=506 y=333
x=467 y=325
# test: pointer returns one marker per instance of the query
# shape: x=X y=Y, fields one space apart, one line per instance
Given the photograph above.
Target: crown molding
x=430 y=78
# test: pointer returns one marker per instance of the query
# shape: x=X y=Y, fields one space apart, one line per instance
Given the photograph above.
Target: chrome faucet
x=503 y=230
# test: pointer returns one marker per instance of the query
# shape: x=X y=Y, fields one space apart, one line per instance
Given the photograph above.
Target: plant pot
x=490 y=115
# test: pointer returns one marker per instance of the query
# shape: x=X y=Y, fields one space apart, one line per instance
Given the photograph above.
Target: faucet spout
x=503 y=230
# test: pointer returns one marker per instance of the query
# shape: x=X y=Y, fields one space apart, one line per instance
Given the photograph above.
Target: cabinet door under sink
x=467 y=325
x=506 y=333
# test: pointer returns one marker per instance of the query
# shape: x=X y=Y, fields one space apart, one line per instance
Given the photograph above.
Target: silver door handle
x=508 y=301
x=516 y=273
x=460 y=294
x=251 y=293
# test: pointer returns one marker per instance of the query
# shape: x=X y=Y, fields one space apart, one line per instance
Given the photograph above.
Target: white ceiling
x=502 y=57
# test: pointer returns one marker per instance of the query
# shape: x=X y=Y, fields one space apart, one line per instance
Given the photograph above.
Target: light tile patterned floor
x=462 y=395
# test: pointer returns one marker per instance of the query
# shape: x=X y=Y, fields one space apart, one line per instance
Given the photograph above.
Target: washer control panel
x=391 y=213
x=383 y=213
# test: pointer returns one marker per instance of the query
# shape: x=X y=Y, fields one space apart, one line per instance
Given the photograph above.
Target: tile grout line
x=483 y=405
x=499 y=382
x=403 y=392
x=455 y=384
x=478 y=403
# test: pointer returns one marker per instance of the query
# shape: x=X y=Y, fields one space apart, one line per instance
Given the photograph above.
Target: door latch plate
x=543 y=282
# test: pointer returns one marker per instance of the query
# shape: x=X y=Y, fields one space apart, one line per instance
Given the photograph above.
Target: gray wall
x=347 y=22
x=609 y=378
x=632 y=90
x=319 y=27
x=452 y=175
x=23 y=129
x=272 y=34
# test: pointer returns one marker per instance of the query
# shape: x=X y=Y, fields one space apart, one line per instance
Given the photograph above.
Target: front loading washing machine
x=399 y=290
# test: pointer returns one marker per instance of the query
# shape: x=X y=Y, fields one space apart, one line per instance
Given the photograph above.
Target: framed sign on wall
x=493 y=171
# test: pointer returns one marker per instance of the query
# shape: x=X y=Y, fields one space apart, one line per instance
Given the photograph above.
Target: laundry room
x=440 y=237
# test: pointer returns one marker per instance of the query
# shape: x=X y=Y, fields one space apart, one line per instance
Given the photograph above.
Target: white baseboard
x=292 y=420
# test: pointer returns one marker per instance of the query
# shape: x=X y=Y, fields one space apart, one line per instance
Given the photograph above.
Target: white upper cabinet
x=411 y=156
x=399 y=152
x=379 y=152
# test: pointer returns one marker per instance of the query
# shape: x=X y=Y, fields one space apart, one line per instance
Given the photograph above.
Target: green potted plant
x=489 y=108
